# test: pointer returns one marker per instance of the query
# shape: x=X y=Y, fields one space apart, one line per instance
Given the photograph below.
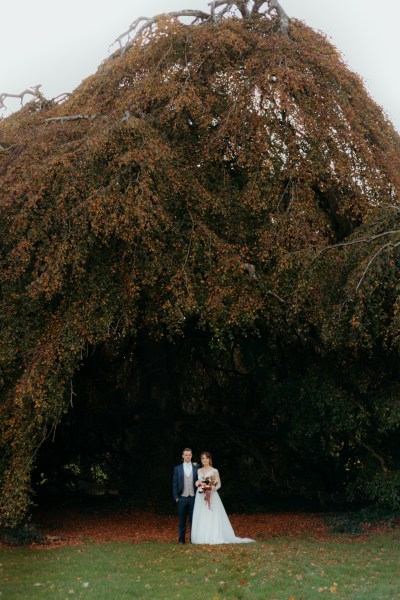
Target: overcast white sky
x=59 y=44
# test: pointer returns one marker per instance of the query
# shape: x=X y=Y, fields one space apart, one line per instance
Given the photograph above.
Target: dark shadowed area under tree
x=199 y=246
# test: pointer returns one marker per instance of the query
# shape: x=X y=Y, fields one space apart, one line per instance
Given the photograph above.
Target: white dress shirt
x=187 y=467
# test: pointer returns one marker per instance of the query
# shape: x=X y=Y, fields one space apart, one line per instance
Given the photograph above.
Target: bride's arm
x=217 y=479
x=199 y=479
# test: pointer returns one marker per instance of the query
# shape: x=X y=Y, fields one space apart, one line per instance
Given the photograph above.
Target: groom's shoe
x=181 y=541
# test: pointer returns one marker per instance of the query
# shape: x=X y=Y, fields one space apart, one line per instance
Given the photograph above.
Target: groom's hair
x=187 y=450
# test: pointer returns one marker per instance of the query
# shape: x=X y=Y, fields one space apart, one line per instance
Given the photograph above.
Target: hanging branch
x=364 y=240
x=373 y=258
x=141 y=24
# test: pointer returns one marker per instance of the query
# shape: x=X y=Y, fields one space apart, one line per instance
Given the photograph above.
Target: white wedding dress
x=212 y=525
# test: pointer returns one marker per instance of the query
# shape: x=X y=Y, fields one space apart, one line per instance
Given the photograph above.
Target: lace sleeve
x=218 y=480
x=199 y=479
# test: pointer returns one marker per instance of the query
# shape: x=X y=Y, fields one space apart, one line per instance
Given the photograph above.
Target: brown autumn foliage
x=72 y=527
x=209 y=158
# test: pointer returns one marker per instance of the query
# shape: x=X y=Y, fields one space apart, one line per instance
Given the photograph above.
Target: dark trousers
x=185 y=510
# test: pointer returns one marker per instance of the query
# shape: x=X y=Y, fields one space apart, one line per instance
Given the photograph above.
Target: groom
x=183 y=491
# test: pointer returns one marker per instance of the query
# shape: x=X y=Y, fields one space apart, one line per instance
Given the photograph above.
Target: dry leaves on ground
x=79 y=526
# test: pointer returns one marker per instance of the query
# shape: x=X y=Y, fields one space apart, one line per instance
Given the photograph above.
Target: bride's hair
x=208 y=455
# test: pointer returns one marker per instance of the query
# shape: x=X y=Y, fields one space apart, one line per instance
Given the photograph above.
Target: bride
x=210 y=524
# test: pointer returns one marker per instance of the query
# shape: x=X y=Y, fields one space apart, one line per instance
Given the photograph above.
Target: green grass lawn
x=283 y=568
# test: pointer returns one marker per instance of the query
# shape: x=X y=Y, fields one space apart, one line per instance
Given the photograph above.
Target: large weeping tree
x=228 y=178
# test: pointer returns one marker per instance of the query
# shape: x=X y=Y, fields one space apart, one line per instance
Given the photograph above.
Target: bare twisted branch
x=141 y=24
x=36 y=95
x=150 y=21
x=70 y=118
x=33 y=91
x=274 y=5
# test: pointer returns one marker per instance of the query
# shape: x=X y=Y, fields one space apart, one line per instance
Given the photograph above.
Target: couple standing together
x=195 y=492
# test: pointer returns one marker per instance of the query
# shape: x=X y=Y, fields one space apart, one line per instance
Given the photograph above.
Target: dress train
x=211 y=525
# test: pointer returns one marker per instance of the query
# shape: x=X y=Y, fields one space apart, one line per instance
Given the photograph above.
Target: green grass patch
x=269 y=569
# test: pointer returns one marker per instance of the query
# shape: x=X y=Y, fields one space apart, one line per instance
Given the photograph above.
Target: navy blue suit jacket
x=177 y=480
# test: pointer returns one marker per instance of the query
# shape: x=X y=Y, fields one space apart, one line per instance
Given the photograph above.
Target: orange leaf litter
x=77 y=526
x=67 y=527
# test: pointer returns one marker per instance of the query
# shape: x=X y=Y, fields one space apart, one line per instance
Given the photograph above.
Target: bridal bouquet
x=205 y=487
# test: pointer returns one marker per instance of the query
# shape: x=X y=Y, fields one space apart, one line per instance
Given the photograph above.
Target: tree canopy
x=231 y=190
